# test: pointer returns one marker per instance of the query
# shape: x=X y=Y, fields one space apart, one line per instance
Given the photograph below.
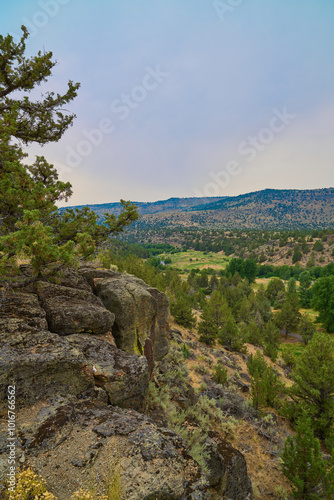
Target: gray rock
x=69 y=443
x=39 y=364
x=24 y=306
x=71 y=310
x=142 y=313
x=227 y=469
x=123 y=376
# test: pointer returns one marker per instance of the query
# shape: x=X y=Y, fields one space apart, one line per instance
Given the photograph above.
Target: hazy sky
x=188 y=97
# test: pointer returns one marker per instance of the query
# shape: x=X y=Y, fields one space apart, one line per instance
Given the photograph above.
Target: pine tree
x=207 y=328
x=288 y=318
x=323 y=301
x=265 y=383
x=313 y=388
x=302 y=461
x=305 y=294
x=306 y=328
x=182 y=311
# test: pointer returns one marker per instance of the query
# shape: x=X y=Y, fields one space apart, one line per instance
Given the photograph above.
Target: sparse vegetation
x=30 y=485
x=220 y=375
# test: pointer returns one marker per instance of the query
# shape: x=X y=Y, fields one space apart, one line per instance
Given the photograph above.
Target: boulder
x=227 y=469
x=141 y=313
x=24 y=306
x=123 y=376
x=75 y=443
x=72 y=310
x=39 y=364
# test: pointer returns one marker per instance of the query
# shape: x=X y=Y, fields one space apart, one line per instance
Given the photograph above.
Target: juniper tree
x=305 y=294
x=274 y=288
x=303 y=464
x=313 y=388
x=29 y=219
x=288 y=317
x=302 y=460
x=306 y=328
x=265 y=383
x=323 y=301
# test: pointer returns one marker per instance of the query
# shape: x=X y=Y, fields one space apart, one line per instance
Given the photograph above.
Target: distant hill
x=267 y=209
x=170 y=205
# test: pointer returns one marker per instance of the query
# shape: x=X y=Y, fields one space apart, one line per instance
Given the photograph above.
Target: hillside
x=267 y=209
x=170 y=205
x=307 y=248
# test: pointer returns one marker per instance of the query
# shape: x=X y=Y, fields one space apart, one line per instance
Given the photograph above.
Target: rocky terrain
x=81 y=350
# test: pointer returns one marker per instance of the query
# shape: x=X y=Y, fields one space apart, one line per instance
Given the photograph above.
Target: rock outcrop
x=73 y=443
x=42 y=363
x=123 y=376
x=141 y=312
x=71 y=310
x=227 y=469
x=80 y=353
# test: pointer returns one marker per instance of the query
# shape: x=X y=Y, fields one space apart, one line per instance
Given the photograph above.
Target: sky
x=183 y=98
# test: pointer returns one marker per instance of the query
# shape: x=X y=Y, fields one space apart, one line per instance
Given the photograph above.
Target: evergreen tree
x=288 y=318
x=274 y=288
x=207 y=328
x=292 y=287
x=181 y=309
x=302 y=461
x=313 y=388
x=215 y=315
x=297 y=255
x=242 y=310
x=253 y=333
x=311 y=262
x=305 y=294
x=271 y=336
x=230 y=336
x=262 y=306
x=306 y=328
x=250 y=270
x=265 y=383
x=323 y=301
x=262 y=257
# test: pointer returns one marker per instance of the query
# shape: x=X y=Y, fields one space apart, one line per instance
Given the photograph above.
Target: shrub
x=161 y=397
x=30 y=486
x=220 y=375
x=318 y=246
x=266 y=385
x=203 y=387
x=211 y=408
x=201 y=369
x=281 y=493
x=185 y=351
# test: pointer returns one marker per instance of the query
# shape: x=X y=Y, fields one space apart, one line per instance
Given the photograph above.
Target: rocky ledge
x=80 y=352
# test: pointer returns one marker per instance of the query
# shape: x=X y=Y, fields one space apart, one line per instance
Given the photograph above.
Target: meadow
x=192 y=259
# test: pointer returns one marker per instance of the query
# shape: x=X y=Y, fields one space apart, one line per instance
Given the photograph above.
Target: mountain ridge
x=263 y=209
